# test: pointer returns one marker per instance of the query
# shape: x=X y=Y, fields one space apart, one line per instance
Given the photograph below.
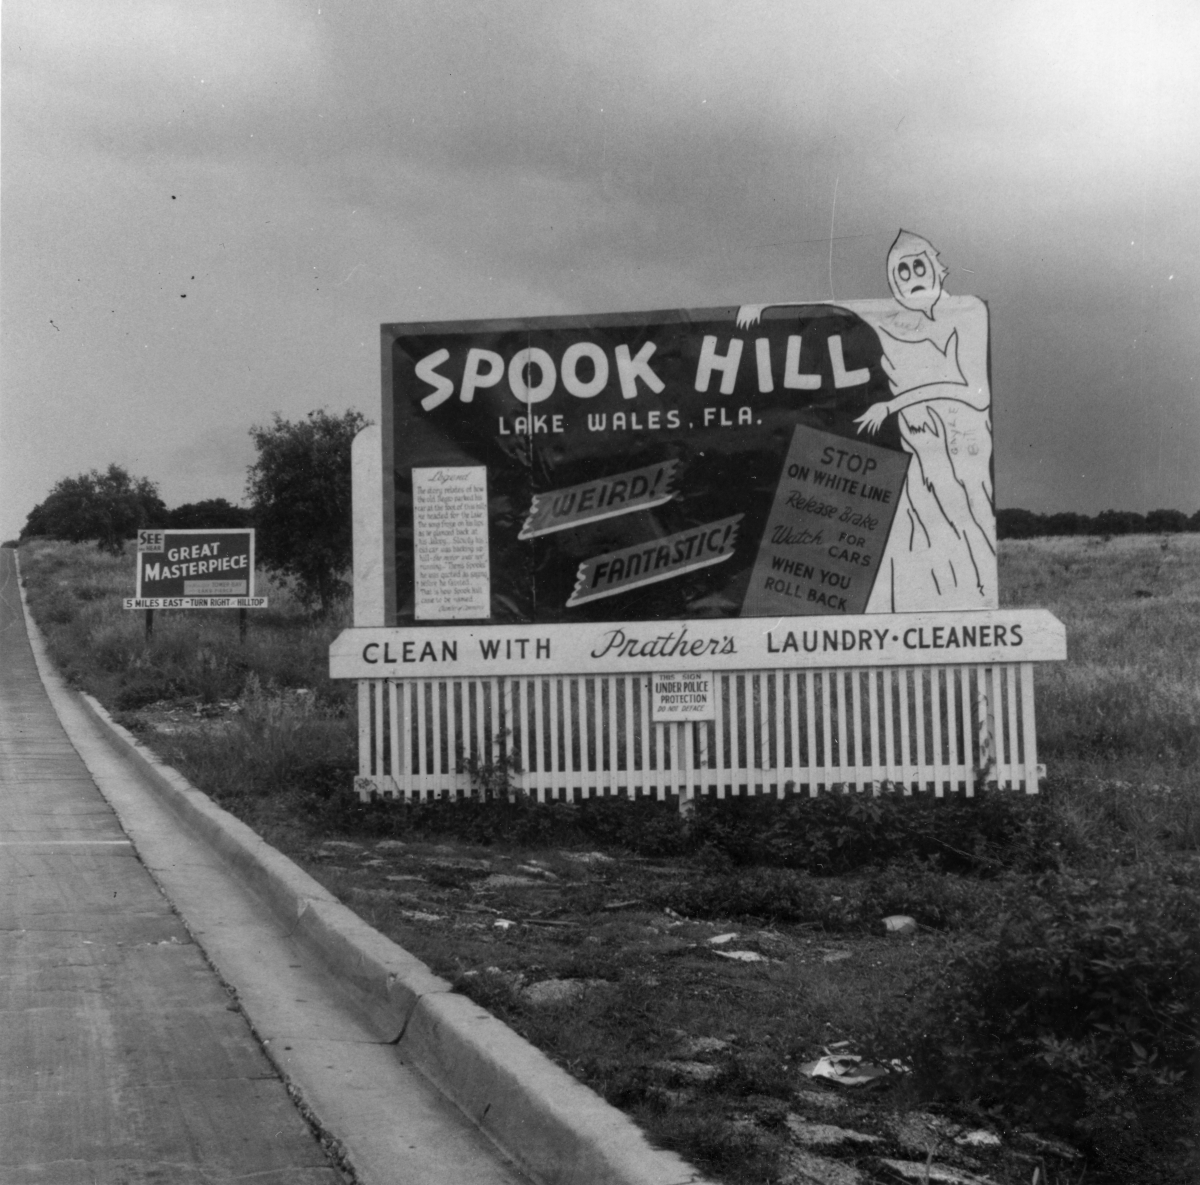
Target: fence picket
x=736 y=773
x=968 y=731
x=613 y=780
x=907 y=757
x=935 y=717
x=887 y=730
x=642 y=687
x=954 y=764
x=777 y=679
x=871 y=745
x=746 y=728
x=721 y=696
x=1028 y=733
x=1014 y=759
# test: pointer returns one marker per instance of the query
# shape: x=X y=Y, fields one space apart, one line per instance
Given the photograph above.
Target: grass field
x=600 y=932
x=1128 y=701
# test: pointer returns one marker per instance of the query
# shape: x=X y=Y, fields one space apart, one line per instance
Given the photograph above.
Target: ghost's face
x=914 y=281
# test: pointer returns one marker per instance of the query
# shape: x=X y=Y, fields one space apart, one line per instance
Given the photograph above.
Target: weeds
x=279 y=744
x=192 y=654
x=1104 y=821
x=835 y=905
x=495 y=778
x=1078 y=1013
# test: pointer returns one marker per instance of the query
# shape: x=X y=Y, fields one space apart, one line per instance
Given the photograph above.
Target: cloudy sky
x=209 y=208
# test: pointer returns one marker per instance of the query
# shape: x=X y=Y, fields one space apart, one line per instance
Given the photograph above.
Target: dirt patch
x=645 y=1006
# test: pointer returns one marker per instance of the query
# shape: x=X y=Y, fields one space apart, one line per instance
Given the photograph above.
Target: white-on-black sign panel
x=812 y=459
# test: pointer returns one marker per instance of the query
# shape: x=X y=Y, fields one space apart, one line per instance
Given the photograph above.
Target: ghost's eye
x=904 y=273
x=918 y=267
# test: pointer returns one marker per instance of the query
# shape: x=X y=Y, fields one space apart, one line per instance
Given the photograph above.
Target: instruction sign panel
x=195 y=564
x=823 y=545
x=791 y=459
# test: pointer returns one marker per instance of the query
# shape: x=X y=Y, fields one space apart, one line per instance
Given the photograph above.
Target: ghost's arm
x=974 y=391
x=749 y=315
x=972 y=396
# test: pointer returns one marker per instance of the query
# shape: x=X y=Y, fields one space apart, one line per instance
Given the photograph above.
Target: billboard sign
x=195 y=569
x=766 y=461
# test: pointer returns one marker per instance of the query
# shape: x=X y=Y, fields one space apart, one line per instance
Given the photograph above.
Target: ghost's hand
x=749 y=315
x=872 y=419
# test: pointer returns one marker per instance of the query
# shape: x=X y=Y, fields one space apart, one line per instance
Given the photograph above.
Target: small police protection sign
x=683 y=695
x=195 y=569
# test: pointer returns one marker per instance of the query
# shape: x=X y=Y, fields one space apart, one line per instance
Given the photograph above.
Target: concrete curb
x=554 y=1127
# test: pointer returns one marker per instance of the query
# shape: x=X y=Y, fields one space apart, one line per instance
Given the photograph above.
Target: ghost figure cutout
x=944 y=553
x=915 y=273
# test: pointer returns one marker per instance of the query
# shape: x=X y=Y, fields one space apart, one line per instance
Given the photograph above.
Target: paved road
x=122 y=1057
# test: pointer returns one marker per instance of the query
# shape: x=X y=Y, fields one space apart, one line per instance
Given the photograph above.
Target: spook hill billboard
x=762 y=461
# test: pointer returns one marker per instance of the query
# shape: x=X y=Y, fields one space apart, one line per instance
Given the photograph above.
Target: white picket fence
x=932 y=729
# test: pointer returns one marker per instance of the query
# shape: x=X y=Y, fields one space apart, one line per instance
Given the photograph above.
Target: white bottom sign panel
x=682 y=695
x=195 y=602
x=581 y=648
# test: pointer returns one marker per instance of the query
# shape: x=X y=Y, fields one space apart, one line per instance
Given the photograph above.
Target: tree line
x=112 y=506
x=1026 y=524
x=299 y=493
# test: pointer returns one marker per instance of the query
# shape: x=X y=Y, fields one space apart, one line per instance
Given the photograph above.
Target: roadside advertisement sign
x=771 y=460
x=195 y=569
x=674 y=496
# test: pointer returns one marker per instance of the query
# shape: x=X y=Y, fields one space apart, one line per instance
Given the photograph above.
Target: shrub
x=1079 y=1012
x=935 y=899
x=211 y=514
x=644 y=826
x=56 y=608
x=300 y=487
x=830 y=835
x=278 y=745
x=108 y=507
x=782 y=895
x=769 y=894
x=837 y=833
x=141 y=688
x=1108 y=820
x=117 y=647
